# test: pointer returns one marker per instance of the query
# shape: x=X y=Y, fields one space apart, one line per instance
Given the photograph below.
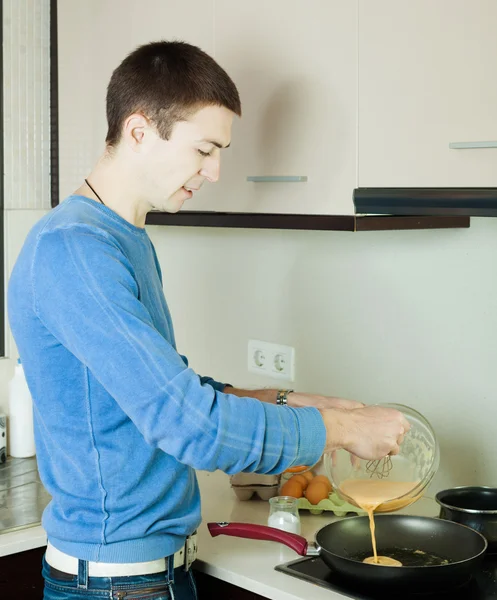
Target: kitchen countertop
x=248 y=564
x=22 y=501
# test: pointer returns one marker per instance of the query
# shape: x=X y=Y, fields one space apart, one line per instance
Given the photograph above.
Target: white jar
x=284 y=514
x=21 y=435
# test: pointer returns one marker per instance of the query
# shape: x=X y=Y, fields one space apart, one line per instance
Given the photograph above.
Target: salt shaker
x=284 y=514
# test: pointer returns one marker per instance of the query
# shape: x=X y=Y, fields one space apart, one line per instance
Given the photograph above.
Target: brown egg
x=298 y=469
x=317 y=491
x=301 y=479
x=309 y=475
x=292 y=488
x=323 y=479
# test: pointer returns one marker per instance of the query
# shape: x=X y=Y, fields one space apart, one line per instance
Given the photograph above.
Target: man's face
x=175 y=169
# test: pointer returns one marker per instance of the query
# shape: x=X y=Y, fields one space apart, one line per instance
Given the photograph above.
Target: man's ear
x=134 y=130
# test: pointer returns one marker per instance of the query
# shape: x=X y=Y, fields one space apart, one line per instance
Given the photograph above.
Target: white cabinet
x=427 y=78
x=93 y=38
x=295 y=64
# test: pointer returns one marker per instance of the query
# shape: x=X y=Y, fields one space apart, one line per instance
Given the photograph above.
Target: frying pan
x=435 y=553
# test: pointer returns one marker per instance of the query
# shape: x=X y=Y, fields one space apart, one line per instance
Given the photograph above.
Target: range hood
x=469 y=202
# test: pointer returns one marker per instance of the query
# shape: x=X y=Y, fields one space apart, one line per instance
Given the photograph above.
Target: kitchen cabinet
x=20 y=575
x=295 y=64
x=210 y=587
x=296 y=67
x=426 y=80
x=293 y=162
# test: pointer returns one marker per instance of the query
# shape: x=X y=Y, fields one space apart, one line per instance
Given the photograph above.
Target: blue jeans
x=158 y=586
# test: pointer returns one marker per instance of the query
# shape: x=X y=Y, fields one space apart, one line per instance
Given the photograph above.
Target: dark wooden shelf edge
x=305 y=222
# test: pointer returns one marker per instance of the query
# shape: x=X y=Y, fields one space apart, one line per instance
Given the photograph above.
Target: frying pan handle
x=260 y=532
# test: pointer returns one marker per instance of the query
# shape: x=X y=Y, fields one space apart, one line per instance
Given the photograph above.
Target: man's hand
x=298 y=400
x=369 y=433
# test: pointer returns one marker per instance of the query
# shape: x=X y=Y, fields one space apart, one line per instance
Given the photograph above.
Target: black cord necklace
x=91 y=188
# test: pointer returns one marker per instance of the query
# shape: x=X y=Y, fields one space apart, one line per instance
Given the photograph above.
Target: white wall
x=408 y=316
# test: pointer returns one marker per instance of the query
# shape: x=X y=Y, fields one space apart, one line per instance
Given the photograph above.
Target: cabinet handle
x=469 y=145
x=276 y=178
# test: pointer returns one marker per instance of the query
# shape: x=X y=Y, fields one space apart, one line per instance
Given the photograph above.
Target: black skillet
x=434 y=552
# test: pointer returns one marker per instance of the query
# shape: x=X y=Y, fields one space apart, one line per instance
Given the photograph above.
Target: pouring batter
x=370 y=496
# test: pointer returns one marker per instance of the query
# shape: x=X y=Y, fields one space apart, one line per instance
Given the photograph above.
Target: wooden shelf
x=304 y=222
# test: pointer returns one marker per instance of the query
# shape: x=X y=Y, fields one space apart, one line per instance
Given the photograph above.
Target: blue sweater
x=121 y=420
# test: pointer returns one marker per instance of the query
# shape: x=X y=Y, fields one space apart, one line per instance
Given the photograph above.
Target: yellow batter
x=370 y=495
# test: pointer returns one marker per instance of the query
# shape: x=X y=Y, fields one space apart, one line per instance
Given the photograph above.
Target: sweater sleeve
x=217 y=385
x=87 y=297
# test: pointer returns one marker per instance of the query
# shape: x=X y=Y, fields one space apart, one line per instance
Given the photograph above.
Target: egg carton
x=333 y=503
x=245 y=485
x=254 y=479
x=265 y=492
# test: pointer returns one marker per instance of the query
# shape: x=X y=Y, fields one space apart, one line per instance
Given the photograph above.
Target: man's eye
x=204 y=153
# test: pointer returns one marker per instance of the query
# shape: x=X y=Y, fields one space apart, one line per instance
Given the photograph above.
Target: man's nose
x=211 y=167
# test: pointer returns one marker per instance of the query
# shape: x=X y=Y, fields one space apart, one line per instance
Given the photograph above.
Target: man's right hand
x=369 y=433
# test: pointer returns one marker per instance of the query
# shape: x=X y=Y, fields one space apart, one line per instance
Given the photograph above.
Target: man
x=121 y=421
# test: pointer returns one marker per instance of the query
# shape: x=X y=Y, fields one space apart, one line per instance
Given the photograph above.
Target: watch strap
x=282 y=397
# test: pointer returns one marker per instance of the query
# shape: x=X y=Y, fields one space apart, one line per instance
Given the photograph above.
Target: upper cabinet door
x=295 y=65
x=427 y=80
x=93 y=38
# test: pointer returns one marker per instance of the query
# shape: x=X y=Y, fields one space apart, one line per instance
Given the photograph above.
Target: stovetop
x=482 y=586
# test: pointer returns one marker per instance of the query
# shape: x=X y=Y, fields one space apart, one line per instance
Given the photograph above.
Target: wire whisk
x=379 y=468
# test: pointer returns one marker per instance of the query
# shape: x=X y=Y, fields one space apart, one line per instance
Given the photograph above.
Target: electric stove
x=481 y=586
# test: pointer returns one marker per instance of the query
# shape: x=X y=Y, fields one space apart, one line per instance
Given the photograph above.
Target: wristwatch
x=281 y=397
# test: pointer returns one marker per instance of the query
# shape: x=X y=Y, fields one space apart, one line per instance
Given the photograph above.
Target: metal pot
x=475 y=507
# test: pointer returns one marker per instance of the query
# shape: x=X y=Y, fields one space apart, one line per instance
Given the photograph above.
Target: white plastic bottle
x=21 y=436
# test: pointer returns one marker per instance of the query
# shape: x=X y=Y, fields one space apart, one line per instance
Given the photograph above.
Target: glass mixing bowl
x=417 y=462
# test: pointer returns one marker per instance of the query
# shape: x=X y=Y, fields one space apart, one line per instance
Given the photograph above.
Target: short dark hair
x=167 y=82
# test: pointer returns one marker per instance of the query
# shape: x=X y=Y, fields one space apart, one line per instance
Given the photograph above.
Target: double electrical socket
x=273 y=360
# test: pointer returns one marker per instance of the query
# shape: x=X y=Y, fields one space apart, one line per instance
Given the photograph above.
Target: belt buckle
x=190 y=550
